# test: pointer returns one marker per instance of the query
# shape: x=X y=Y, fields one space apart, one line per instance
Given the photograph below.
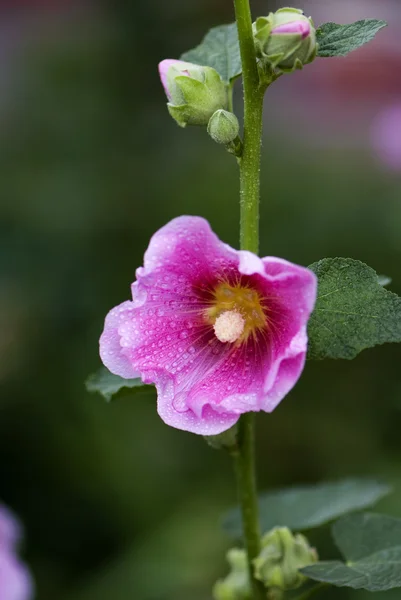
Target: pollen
x=229 y=326
x=236 y=312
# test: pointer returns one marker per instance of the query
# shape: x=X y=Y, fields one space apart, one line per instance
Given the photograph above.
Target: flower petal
x=15 y=581
x=208 y=422
x=188 y=245
x=164 y=66
x=111 y=351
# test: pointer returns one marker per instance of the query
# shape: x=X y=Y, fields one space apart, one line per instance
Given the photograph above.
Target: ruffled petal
x=205 y=422
x=187 y=246
x=111 y=351
x=285 y=372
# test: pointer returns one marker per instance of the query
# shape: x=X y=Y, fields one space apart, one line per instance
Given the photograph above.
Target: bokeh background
x=115 y=504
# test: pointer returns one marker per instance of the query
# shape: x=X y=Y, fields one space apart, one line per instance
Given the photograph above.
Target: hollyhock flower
x=220 y=332
x=15 y=581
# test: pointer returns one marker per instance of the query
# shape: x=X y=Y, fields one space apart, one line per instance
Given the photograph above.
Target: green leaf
x=353 y=311
x=339 y=40
x=219 y=49
x=108 y=385
x=371 y=545
x=309 y=506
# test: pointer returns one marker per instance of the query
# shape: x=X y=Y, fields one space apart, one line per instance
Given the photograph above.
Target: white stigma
x=229 y=326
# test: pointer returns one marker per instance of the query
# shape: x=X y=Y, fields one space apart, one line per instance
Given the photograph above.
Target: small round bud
x=194 y=92
x=281 y=557
x=286 y=39
x=223 y=127
x=236 y=585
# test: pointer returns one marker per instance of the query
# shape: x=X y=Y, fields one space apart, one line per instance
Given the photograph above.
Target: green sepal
x=261 y=32
x=284 y=52
x=287 y=9
x=195 y=99
x=181 y=114
x=281 y=557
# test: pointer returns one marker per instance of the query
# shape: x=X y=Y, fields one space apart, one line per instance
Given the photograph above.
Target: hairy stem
x=253 y=109
x=244 y=461
x=249 y=165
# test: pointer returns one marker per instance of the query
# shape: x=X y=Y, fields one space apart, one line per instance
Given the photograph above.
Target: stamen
x=229 y=326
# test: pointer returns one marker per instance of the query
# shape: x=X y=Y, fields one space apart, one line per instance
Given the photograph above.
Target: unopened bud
x=236 y=585
x=286 y=39
x=194 y=92
x=281 y=557
x=223 y=127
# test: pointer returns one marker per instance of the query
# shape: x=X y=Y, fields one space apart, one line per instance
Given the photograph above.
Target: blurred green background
x=116 y=504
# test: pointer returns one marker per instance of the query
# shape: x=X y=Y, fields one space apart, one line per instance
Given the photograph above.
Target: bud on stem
x=223 y=127
x=281 y=557
x=194 y=92
x=285 y=40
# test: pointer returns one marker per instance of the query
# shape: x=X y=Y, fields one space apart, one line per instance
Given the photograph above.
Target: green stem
x=244 y=462
x=249 y=165
x=253 y=110
x=312 y=591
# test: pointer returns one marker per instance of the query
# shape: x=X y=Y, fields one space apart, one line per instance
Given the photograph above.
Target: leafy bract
x=339 y=40
x=108 y=385
x=219 y=49
x=308 y=506
x=353 y=310
x=371 y=545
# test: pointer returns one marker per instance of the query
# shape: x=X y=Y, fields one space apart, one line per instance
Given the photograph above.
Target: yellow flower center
x=235 y=312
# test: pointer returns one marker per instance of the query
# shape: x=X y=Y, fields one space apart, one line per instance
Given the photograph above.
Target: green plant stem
x=312 y=591
x=244 y=462
x=253 y=111
x=249 y=166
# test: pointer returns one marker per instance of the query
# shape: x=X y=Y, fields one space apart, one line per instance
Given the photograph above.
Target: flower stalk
x=249 y=167
x=244 y=463
x=253 y=108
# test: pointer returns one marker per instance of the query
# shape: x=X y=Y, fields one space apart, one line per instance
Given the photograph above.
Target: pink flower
x=220 y=332
x=15 y=581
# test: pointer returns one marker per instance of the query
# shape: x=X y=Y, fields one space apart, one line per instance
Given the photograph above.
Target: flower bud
x=194 y=92
x=223 y=127
x=286 y=39
x=281 y=557
x=236 y=585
